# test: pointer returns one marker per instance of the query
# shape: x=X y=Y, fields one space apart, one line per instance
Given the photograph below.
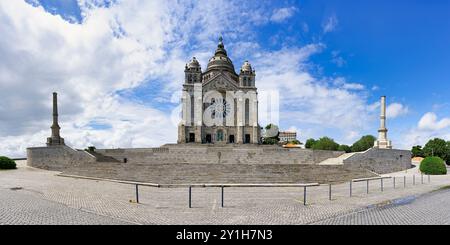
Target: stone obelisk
x=55 y=139
x=383 y=142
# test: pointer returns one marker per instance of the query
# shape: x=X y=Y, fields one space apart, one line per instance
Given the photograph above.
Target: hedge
x=433 y=166
x=6 y=163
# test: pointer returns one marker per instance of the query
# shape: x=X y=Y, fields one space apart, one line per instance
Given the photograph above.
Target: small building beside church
x=287 y=136
x=219 y=106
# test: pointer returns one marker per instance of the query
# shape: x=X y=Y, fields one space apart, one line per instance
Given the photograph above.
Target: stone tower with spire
x=209 y=114
x=55 y=139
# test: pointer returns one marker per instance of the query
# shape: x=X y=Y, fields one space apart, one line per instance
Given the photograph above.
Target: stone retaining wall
x=57 y=158
x=381 y=161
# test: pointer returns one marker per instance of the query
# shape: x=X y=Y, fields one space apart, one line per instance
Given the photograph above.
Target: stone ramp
x=178 y=173
x=338 y=160
x=102 y=158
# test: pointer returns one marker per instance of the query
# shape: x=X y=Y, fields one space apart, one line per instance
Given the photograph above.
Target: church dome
x=193 y=64
x=246 y=67
x=220 y=59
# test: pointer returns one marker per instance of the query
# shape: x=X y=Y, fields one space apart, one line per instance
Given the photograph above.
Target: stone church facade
x=219 y=106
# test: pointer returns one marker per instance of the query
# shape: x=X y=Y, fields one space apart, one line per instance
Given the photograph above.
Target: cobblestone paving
x=18 y=208
x=170 y=206
x=429 y=209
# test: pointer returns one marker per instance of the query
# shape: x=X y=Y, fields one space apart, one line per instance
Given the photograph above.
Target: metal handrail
x=222 y=186
x=190 y=186
x=372 y=178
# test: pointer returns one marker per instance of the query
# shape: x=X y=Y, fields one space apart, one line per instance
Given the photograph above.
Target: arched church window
x=247 y=112
x=192 y=109
x=219 y=135
x=235 y=112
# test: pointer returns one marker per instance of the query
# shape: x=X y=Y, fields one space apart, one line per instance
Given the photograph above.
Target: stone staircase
x=221 y=155
x=179 y=173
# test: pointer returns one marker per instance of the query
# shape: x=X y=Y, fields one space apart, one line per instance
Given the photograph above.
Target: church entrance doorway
x=231 y=139
x=219 y=136
x=247 y=139
x=191 y=137
x=208 y=139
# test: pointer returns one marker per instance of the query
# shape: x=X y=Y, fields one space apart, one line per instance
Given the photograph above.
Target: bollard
x=394 y=182
x=421 y=178
x=404 y=181
x=329 y=193
x=190 y=196
x=304 y=195
x=222 y=195
x=350 y=188
x=137 y=193
x=381 y=184
x=414 y=179
x=367 y=186
x=428 y=178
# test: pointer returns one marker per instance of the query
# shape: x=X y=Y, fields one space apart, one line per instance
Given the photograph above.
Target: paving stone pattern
x=429 y=209
x=109 y=203
x=18 y=208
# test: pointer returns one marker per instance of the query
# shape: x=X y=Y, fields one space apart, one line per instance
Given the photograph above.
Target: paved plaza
x=33 y=196
x=429 y=209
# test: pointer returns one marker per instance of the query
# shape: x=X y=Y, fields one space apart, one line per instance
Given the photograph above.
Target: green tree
x=326 y=143
x=417 y=151
x=345 y=148
x=295 y=142
x=439 y=148
x=272 y=135
x=269 y=126
x=310 y=143
x=270 y=141
x=447 y=160
x=365 y=143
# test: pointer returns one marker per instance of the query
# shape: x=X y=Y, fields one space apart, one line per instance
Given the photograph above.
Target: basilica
x=219 y=106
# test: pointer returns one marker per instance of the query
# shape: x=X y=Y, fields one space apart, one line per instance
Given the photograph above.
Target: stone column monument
x=55 y=139
x=383 y=142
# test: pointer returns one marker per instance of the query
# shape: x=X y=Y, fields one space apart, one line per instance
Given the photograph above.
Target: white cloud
x=353 y=86
x=342 y=82
x=330 y=24
x=337 y=59
x=428 y=127
x=430 y=122
x=115 y=49
x=282 y=14
x=395 y=110
x=306 y=99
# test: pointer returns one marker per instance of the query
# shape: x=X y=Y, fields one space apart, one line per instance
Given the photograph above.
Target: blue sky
x=350 y=52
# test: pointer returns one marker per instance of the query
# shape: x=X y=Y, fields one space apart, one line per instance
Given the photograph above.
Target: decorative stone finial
x=221 y=47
